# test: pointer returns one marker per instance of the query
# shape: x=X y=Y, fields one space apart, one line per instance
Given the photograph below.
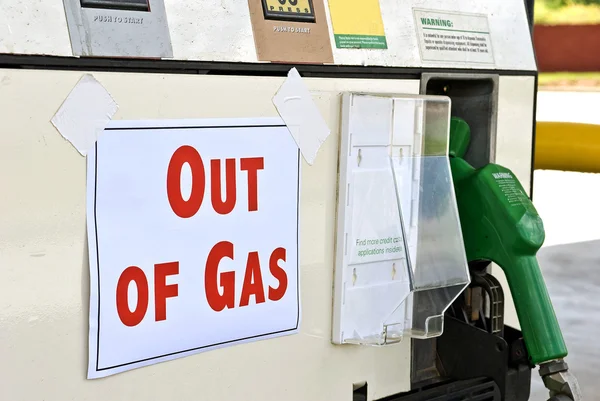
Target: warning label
x=463 y=38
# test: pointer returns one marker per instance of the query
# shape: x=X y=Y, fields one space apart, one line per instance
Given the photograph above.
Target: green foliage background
x=565 y=3
x=571 y=12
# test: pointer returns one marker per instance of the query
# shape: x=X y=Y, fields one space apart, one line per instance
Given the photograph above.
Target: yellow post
x=567 y=147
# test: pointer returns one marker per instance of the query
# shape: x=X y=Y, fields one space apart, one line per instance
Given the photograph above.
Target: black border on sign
x=99 y=369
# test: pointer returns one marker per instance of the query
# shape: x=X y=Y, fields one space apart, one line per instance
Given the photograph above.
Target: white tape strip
x=84 y=113
x=301 y=115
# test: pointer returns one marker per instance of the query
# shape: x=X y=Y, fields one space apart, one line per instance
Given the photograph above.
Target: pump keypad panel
x=289 y=10
x=125 y=5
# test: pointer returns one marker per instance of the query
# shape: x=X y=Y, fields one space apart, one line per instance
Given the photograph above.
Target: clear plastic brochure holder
x=400 y=258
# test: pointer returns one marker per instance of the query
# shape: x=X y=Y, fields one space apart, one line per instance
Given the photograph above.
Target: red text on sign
x=220 y=286
x=162 y=291
x=188 y=208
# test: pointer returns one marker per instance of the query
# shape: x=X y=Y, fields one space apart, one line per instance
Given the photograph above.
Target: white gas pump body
x=44 y=274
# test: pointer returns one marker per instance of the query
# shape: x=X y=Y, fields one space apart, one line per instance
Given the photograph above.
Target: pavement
x=570 y=258
x=572 y=276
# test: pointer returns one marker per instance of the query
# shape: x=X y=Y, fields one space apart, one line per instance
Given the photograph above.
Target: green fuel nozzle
x=501 y=225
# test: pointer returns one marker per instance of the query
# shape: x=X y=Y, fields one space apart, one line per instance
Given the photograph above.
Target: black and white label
x=455 y=37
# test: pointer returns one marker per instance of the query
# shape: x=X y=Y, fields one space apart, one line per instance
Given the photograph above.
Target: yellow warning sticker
x=357 y=24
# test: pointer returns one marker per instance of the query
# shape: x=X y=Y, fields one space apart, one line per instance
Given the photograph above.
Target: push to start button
x=289 y=10
x=125 y=5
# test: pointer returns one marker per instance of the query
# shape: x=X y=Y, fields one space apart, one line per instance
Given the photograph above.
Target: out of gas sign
x=193 y=238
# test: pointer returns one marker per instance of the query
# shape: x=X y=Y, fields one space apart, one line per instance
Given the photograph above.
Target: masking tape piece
x=301 y=115
x=84 y=113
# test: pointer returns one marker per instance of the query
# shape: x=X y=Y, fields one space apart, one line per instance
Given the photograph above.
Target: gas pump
x=343 y=113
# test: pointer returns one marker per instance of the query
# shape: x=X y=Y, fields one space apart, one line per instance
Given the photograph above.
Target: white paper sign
x=193 y=239
x=456 y=37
